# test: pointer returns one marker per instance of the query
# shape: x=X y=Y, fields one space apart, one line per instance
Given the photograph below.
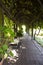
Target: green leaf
x=11 y=54
x=1 y=51
x=5 y=47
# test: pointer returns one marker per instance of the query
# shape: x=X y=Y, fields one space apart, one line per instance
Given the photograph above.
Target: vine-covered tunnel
x=22 y=19
x=29 y=12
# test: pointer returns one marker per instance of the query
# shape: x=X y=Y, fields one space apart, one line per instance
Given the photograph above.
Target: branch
x=40 y=3
x=6 y=10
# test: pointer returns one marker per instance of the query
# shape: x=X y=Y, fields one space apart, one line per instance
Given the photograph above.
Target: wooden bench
x=16 y=44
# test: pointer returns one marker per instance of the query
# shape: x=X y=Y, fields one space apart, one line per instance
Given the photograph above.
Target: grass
x=39 y=39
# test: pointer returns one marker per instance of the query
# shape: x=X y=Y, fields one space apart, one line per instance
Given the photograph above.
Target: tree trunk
x=32 y=29
x=34 y=35
x=15 y=29
x=1 y=25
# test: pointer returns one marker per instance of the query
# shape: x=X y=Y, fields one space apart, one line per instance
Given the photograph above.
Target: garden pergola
x=28 y=12
x=20 y=12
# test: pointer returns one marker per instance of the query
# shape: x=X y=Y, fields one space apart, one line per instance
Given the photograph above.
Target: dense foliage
x=8 y=36
x=20 y=33
x=28 y=11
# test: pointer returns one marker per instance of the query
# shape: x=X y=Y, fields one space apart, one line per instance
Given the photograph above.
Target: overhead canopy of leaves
x=27 y=11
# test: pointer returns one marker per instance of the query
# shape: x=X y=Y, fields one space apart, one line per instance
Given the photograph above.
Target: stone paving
x=29 y=53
